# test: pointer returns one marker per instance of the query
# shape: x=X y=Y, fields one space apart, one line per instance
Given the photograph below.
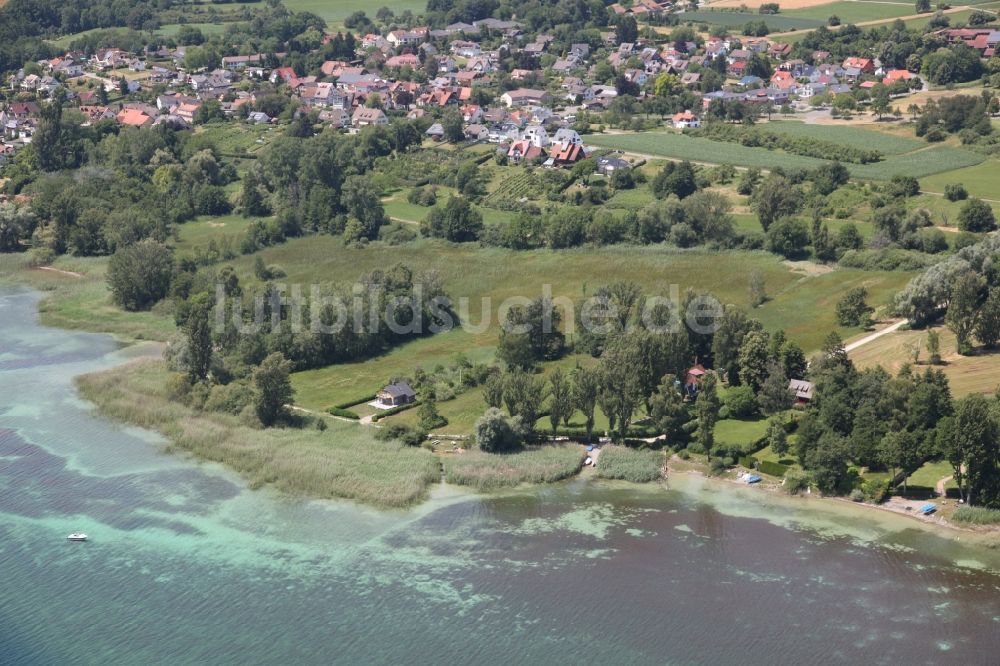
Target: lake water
x=187 y=566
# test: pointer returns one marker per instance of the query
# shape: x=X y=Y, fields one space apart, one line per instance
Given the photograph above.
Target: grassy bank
x=488 y=471
x=620 y=462
x=344 y=461
x=77 y=298
x=973 y=515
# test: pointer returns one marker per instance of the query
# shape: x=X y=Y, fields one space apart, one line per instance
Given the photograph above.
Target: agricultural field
x=207 y=29
x=980 y=180
x=979 y=373
x=925 y=161
x=335 y=11
x=777 y=22
x=848 y=135
x=851 y=11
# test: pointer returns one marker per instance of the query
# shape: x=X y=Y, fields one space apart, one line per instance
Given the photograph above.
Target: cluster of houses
x=531 y=123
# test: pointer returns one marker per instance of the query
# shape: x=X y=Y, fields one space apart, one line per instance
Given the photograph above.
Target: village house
x=801 y=390
x=395 y=395
x=364 y=116
x=525 y=96
x=685 y=120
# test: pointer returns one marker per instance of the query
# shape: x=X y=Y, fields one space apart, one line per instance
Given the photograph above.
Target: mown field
x=777 y=23
x=981 y=180
x=855 y=137
x=852 y=12
x=924 y=161
x=979 y=373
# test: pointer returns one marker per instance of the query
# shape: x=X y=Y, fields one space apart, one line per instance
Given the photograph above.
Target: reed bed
x=491 y=471
x=343 y=461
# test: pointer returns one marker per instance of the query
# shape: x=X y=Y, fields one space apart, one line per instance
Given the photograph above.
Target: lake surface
x=187 y=566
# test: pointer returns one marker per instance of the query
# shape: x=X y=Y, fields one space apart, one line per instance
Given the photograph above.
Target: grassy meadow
x=78 y=298
x=344 y=461
x=851 y=11
x=335 y=11
x=979 y=373
x=923 y=160
x=802 y=304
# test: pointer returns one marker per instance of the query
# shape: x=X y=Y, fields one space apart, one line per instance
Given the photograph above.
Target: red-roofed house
x=894 y=75
x=133 y=117
x=864 y=64
x=524 y=150
x=685 y=120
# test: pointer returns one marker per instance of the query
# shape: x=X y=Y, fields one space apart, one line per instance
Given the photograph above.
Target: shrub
x=955 y=192
x=496 y=432
x=796 y=481
x=358 y=401
x=742 y=402
x=856 y=495
x=343 y=413
x=402 y=433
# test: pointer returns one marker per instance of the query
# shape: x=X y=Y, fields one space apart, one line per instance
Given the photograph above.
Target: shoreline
x=774 y=490
x=673 y=464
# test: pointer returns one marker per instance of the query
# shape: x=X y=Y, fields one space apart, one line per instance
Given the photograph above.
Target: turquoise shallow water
x=187 y=566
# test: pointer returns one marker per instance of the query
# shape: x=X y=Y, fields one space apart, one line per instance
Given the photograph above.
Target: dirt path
x=874 y=336
x=53 y=269
x=939 y=486
x=303 y=410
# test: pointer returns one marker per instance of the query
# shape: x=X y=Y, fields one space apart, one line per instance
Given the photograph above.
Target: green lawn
x=929 y=474
x=739 y=432
x=925 y=161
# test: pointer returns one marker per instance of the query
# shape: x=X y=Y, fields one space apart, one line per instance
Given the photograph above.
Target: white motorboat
x=77 y=536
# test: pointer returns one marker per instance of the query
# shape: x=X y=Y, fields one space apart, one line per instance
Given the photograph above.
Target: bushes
x=796 y=481
x=343 y=413
x=637 y=466
x=975 y=515
x=955 y=192
x=753 y=137
x=742 y=402
x=351 y=403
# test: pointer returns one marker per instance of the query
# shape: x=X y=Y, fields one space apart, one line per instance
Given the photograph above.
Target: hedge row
x=344 y=413
x=753 y=137
x=766 y=466
x=358 y=401
x=395 y=410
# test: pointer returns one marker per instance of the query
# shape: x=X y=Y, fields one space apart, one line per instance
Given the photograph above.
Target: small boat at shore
x=77 y=536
